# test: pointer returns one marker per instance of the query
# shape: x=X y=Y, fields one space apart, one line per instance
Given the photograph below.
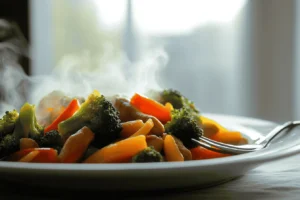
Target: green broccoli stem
x=18 y=131
x=27 y=125
x=70 y=126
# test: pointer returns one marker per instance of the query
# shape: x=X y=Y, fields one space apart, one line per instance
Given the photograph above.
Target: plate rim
x=254 y=157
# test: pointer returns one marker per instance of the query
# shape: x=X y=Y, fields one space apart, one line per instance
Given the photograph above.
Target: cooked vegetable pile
x=154 y=128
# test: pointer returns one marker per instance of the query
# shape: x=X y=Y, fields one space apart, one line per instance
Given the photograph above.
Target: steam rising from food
x=74 y=76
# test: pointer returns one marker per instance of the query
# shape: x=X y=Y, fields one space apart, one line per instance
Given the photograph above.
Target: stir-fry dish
x=99 y=129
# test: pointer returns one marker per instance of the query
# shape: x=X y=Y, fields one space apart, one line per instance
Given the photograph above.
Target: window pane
x=202 y=40
x=86 y=26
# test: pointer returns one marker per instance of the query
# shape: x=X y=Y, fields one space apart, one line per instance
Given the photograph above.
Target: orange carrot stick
x=145 y=129
x=76 y=145
x=130 y=127
x=120 y=151
x=151 y=107
x=68 y=112
x=172 y=152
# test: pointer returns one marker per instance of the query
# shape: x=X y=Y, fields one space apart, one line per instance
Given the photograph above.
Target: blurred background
x=236 y=57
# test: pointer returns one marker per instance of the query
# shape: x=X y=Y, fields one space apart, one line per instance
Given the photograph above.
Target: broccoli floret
x=184 y=127
x=8 y=145
x=51 y=139
x=7 y=123
x=98 y=114
x=177 y=100
x=27 y=125
x=149 y=154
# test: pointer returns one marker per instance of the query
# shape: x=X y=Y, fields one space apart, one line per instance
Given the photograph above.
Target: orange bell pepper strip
x=216 y=131
x=201 y=153
x=229 y=137
x=206 y=120
x=67 y=113
x=169 y=106
x=151 y=107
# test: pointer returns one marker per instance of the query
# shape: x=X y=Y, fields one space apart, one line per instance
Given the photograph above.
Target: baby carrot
x=172 y=152
x=120 y=151
x=130 y=127
x=76 y=145
x=145 y=129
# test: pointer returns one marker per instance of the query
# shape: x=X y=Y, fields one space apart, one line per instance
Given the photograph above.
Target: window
x=231 y=57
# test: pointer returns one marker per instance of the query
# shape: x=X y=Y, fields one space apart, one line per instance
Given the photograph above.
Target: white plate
x=155 y=176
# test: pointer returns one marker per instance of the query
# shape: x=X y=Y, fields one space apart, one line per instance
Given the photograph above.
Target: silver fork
x=240 y=149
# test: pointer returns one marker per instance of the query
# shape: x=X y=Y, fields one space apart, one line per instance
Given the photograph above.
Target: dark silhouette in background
x=15 y=12
x=14 y=37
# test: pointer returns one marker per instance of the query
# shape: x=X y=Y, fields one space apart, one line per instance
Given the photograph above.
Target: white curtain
x=270 y=64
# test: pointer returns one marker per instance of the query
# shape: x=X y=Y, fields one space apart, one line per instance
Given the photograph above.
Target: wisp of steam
x=72 y=78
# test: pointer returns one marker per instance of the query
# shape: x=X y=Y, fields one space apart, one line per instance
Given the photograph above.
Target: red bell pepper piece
x=67 y=113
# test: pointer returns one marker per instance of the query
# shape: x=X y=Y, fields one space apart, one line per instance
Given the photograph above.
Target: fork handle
x=278 y=129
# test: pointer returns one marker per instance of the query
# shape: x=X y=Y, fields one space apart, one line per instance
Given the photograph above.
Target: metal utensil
x=240 y=149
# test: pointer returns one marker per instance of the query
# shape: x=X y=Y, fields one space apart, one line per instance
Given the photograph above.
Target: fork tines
x=221 y=147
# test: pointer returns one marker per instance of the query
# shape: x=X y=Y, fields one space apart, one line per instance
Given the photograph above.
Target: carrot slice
x=76 y=145
x=145 y=129
x=29 y=157
x=26 y=143
x=67 y=113
x=130 y=127
x=200 y=153
x=45 y=155
x=151 y=107
x=172 y=152
x=120 y=151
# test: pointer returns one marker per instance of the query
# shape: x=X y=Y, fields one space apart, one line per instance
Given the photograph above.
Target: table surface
x=276 y=180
